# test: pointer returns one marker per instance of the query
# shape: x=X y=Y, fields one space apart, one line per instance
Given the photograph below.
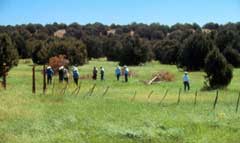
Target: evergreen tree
x=218 y=71
x=8 y=53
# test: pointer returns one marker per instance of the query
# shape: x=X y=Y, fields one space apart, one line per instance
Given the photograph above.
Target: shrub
x=166 y=51
x=39 y=52
x=134 y=51
x=232 y=56
x=218 y=71
x=194 y=51
x=57 y=61
x=74 y=50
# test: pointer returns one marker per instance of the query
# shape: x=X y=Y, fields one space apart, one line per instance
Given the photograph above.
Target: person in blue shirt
x=118 y=72
x=126 y=73
x=49 y=72
x=75 y=74
x=186 y=81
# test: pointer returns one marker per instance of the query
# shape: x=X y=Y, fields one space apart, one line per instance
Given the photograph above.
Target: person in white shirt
x=186 y=82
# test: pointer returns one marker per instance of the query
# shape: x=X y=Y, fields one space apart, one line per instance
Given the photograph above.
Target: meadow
x=117 y=117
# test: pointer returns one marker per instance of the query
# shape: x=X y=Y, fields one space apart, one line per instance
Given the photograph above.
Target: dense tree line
x=186 y=45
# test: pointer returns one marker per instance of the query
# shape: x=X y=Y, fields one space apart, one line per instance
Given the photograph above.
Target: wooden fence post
x=92 y=90
x=53 y=86
x=79 y=87
x=105 y=92
x=33 y=80
x=195 y=100
x=44 y=80
x=4 y=82
x=134 y=96
x=215 y=101
x=149 y=95
x=238 y=102
x=179 y=94
x=163 y=97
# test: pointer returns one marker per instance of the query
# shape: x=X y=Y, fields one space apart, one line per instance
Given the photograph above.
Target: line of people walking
x=63 y=73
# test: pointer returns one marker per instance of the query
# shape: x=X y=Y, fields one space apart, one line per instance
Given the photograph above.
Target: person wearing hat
x=126 y=73
x=61 y=74
x=186 y=81
x=102 y=73
x=95 y=71
x=66 y=74
x=75 y=74
x=49 y=72
x=118 y=72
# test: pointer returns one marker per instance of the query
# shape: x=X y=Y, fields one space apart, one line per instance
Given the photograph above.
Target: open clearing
x=115 y=118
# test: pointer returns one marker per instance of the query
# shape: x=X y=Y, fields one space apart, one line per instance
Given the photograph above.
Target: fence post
x=163 y=97
x=133 y=98
x=195 y=100
x=33 y=80
x=179 y=94
x=238 y=102
x=215 y=101
x=4 y=82
x=150 y=94
x=53 y=86
x=106 y=90
x=91 y=92
x=44 y=80
x=79 y=87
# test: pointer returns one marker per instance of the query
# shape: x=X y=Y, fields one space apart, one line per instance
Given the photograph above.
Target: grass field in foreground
x=56 y=118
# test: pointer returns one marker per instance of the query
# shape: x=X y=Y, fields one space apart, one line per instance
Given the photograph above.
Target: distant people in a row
x=125 y=72
x=95 y=72
x=102 y=73
x=75 y=74
x=49 y=71
x=118 y=72
x=186 y=81
x=63 y=74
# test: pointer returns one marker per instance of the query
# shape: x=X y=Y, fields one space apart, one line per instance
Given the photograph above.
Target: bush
x=57 y=61
x=39 y=52
x=74 y=50
x=194 y=51
x=8 y=53
x=232 y=56
x=219 y=72
x=166 y=51
x=112 y=48
x=134 y=51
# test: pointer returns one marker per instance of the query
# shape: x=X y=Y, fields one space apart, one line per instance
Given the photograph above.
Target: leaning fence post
x=238 y=102
x=53 y=87
x=33 y=80
x=79 y=87
x=150 y=94
x=195 y=100
x=44 y=80
x=179 y=94
x=163 y=97
x=105 y=92
x=4 y=82
x=216 y=100
x=92 y=90
x=133 y=98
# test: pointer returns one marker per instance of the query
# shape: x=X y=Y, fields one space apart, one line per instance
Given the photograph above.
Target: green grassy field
x=114 y=118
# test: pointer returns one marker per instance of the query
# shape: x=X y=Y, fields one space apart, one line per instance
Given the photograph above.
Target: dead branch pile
x=161 y=76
